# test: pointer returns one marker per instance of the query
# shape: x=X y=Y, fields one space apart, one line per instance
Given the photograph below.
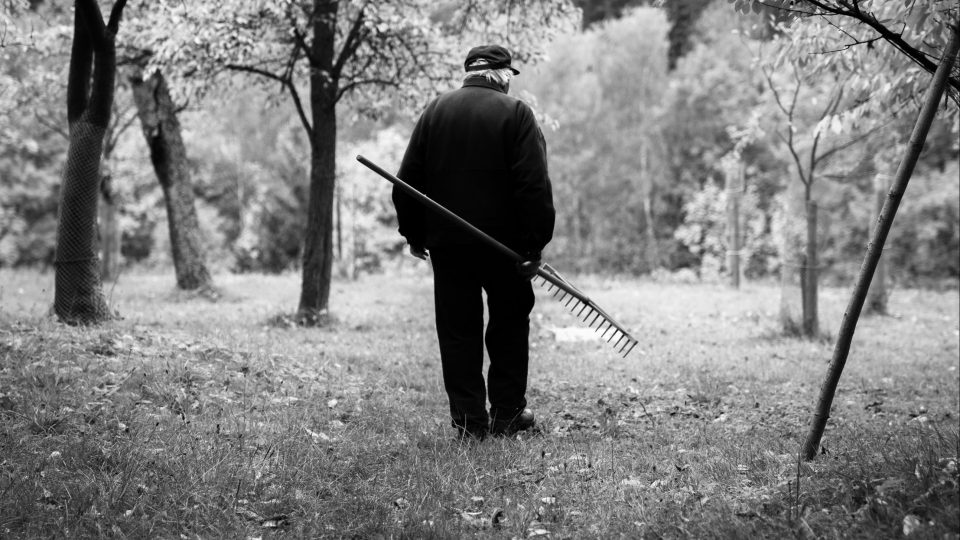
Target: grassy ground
x=191 y=419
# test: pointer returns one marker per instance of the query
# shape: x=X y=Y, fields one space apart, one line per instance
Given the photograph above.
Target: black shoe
x=508 y=427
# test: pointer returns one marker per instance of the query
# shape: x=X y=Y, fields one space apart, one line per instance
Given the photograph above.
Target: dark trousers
x=459 y=275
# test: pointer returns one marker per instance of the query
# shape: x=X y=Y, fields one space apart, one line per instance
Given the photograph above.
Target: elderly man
x=481 y=154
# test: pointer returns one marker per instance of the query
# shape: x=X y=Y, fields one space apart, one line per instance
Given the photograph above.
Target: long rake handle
x=544 y=271
x=437 y=207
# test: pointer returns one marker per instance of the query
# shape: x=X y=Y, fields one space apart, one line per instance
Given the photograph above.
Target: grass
x=189 y=418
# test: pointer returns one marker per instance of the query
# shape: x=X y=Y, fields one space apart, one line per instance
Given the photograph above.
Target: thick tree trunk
x=849 y=324
x=161 y=128
x=318 y=238
x=78 y=294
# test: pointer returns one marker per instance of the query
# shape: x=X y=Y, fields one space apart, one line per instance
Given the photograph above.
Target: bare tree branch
x=121 y=124
x=352 y=85
x=53 y=126
x=351 y=43
x=788 y=112
x=839 y=148
x=853 y=11
x=286 y=82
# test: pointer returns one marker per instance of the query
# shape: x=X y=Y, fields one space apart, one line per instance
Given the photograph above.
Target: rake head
x=586 y=309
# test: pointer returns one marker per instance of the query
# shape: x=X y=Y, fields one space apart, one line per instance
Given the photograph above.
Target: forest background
x=653 y=117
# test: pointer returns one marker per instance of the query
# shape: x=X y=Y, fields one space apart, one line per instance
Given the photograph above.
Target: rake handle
x=437 y=207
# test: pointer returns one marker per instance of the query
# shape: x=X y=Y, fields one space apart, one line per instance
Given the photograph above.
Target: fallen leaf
x=911 y=524
x=275 y=522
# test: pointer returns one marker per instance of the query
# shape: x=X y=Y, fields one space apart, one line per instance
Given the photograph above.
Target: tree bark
x=161 y=128
x=78 y=294
x=318 y=238
x=651 y=251
x=734 y=192
x=849 y=324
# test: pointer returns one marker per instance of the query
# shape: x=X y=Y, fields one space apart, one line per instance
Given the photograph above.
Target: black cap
x=496 y=56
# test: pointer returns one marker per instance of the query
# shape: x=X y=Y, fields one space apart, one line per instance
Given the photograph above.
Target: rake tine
x=631 y=348
x=587 y=316
x=599 y=326
x=617 y=344
x=562 y=296
x=613 y=335
x=556 y=292
x=609 y=326
x=595 y=317
x=568 y=302
x=581 y=310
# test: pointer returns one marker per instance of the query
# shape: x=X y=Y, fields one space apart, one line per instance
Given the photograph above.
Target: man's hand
x=419 y=252
x=528 y=269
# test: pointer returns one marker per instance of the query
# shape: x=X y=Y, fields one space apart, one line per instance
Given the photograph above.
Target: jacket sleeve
x=532 y=191
x=410 y=213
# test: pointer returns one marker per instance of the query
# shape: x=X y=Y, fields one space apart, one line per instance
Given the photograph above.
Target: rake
x=573 y=299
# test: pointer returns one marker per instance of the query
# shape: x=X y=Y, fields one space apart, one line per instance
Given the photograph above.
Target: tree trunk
x=734 y=192
x=109 y=226
x=809 y=278
x=161 y=128
x=318 y=238
x=877 y=296
x=78 y=294
x=652 y=252
x=874 y=249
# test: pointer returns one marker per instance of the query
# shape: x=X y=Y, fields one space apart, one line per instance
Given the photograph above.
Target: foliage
x=367 y=225
x=195 y=419
x=884 y=47
x=601 y=87
x=926 y=240
x=388 y=53
x=621 y=131
x=704 y=233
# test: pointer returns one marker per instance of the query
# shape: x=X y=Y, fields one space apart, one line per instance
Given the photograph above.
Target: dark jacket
x=479 y=153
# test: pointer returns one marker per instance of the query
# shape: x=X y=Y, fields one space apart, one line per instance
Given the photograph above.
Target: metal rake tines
x=585 y=309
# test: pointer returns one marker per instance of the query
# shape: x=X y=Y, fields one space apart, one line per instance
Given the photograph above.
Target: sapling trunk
x=875 y=248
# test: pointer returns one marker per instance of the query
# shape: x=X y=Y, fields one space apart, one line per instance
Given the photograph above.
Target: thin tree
x=875 y=248
x=78 y=295
x=807 y=160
